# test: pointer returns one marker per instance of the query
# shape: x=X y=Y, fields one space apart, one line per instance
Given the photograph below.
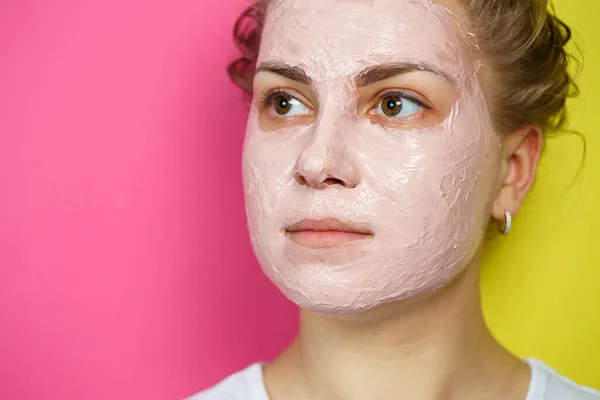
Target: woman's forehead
x=335 y=38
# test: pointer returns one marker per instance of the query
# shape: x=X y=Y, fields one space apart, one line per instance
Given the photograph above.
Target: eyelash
x=267 y=97
x=401 y=94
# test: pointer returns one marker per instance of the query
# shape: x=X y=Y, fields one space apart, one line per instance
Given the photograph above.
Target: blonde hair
x=523 y=42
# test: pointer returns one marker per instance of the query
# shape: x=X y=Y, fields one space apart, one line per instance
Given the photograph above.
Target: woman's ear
x=520 y=157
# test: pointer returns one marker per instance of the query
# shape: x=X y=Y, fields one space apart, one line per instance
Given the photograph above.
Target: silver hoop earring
x=504 y=226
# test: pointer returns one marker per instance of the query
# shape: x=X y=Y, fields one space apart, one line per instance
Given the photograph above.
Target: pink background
x=125 y=267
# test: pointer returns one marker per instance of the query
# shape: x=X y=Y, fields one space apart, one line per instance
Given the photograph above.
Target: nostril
x=319 y=182
x=300 y=179
x=334 y=181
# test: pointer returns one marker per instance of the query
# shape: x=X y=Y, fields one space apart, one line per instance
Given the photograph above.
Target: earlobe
x=522 y=149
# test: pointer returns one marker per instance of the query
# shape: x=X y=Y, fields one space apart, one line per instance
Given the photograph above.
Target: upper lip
x=328 y=224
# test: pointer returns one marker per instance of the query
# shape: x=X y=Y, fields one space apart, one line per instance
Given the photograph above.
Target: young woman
x=383 y=137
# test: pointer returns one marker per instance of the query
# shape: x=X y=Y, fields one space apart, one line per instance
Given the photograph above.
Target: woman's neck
x=426 y=349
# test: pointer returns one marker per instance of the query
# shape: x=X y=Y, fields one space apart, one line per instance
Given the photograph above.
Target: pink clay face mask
x=354 y=201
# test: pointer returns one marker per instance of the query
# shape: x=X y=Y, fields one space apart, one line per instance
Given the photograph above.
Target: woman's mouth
x=327 y=232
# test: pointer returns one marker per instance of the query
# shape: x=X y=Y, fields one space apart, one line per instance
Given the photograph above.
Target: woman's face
x=367 y=117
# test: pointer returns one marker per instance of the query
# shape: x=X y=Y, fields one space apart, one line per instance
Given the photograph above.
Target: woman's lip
x=327 y=224
x=324 y=239
x=327 y=232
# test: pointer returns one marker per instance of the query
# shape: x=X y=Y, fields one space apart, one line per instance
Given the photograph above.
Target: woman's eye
x=397 y=106
x=288 y=106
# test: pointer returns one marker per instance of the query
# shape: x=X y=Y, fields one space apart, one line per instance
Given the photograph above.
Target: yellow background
x=541 y=284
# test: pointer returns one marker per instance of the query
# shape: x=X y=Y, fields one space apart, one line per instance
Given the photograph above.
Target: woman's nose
x=327 y=161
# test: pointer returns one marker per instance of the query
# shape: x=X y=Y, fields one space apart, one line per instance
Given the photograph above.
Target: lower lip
x=324 y=239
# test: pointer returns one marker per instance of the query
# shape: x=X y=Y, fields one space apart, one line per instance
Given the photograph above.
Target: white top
x=545 y=384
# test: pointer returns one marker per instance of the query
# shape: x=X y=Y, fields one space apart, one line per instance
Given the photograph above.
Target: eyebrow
x=376 y=73
x=294 y=73
x=367 y=76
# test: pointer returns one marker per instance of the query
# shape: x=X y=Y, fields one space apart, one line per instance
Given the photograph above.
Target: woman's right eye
x=287 y=106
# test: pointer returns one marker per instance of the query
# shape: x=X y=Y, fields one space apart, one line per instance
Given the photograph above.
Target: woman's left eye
x=397 y=106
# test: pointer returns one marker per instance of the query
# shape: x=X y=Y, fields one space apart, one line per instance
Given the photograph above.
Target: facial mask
x=421 y=192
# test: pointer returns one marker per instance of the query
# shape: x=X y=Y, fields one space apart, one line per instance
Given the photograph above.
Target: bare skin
x=430 y=348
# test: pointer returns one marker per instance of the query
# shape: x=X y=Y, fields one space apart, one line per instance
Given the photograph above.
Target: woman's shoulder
x=246 y=384
x=547 y=384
